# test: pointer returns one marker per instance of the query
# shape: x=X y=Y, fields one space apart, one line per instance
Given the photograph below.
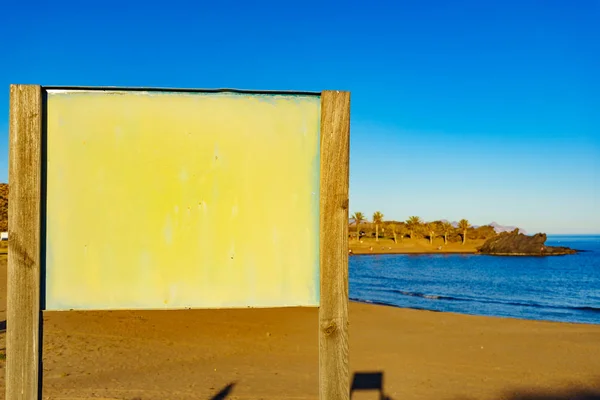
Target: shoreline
x=414 y=253
x=503 y=317
x=423 y=247
x=412 y=246
x=473 y=253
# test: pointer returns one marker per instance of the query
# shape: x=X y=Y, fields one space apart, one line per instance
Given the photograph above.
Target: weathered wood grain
x=334 y=377
x=23 y=286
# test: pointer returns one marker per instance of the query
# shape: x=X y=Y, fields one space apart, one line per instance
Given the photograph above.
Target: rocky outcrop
x=3 y=207
x=516 y=244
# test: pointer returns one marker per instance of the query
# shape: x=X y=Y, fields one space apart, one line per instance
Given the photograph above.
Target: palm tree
x=446 y=230
x=392 y=227
x=431 y=228
x=402 y=232
x=412 y=224
x=358 y=218
x=463 y=225
x=377 y=220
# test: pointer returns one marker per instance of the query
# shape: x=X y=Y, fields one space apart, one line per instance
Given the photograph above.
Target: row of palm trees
x=412 y=224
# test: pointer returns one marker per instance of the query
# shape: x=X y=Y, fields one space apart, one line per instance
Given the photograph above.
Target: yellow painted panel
x=181 y=199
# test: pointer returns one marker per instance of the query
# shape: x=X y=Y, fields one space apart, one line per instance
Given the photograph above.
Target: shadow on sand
x=373 y=381
x=222 y=395
x=569 y=394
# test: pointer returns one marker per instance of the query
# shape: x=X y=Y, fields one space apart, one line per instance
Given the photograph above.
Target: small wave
x=426 y=296
x=587 y=308
x=491 y=301
x=385 y=303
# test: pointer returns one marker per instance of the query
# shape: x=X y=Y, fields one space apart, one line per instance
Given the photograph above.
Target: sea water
x=554 y=288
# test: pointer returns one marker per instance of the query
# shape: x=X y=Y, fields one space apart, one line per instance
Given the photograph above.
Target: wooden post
x=334 y=376
x=23 y=288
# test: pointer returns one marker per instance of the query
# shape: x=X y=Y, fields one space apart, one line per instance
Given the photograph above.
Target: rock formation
x=3 y=207
x=516 y=244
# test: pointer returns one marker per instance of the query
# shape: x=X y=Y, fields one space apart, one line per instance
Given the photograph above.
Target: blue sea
x=556 y=288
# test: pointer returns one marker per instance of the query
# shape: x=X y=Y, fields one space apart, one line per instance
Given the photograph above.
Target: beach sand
x=273 y=354
x=412 y=246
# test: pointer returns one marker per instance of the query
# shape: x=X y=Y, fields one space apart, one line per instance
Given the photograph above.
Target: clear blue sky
x=488 y=110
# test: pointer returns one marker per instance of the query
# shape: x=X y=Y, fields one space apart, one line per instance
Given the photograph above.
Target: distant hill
x=453 y=223
x=497 y=227
x=500 y=228
x=3 y=207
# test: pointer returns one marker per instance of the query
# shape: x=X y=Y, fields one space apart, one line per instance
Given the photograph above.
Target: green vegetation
x=358 y=218
x=413 y=224
x=415 y=228
x=392 y=228
x=447 y=229
x=377 y=220
x=464 y=225
x=431 y=228
x=402 y=231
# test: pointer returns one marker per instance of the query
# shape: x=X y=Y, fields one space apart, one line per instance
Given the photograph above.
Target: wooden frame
x=334 y=376
x=23 y=333
x=26 y=230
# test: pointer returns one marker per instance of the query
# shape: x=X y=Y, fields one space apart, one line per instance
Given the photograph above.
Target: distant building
x=3 y=235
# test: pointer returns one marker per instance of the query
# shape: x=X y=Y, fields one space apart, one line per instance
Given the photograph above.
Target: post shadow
x=562 y=394
x=222 y=395
x=374 y=381
x=572 y=394
x=369 y=381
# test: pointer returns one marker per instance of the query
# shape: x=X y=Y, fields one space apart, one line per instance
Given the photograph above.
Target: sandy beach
x=412 y=246
x=273 y=354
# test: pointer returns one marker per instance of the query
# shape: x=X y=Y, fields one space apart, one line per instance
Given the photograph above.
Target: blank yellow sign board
x=165 y=200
